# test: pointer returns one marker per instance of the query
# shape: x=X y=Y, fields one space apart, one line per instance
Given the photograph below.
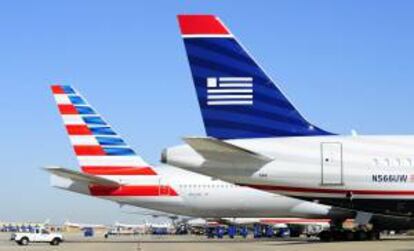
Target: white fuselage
x=202 y=196
x=374 y=173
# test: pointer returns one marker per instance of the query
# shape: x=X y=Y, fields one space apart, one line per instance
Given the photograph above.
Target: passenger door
x=331 y=162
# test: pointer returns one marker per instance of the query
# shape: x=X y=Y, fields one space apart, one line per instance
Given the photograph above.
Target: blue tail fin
x=237 y=99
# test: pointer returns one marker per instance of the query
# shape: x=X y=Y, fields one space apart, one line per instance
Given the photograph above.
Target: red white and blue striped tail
x=98 y=148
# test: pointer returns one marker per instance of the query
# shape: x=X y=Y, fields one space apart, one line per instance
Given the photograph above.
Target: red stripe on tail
x=78 y=130
x=67 y=109
x=57 y=89
x=201 y=24
x=118 y=170
x=89 y=151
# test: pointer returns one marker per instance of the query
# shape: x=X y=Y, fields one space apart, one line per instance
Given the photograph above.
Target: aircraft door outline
x=331 y=163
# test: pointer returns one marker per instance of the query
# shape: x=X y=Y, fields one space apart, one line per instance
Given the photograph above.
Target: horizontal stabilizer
x=78 y=176
x=217 y=150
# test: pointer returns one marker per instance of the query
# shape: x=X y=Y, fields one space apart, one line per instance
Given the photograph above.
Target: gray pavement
x=200 y=243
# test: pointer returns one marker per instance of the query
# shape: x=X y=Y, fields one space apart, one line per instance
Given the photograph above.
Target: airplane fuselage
x=370 y=173
x=182 y=192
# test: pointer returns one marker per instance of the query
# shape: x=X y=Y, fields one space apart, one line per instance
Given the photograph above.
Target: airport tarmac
x=201 y=243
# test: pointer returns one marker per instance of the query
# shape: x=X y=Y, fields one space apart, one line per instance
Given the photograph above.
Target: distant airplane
x=132 y=226
x=111 y=170
x=257 y=138
x=67 y=223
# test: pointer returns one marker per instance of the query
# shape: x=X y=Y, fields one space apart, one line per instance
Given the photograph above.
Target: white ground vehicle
x=39 y=235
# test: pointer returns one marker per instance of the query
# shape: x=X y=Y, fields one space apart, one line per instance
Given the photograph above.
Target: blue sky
x=345 y=64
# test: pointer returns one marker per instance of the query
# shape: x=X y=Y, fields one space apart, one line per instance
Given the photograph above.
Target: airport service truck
x=39 y=235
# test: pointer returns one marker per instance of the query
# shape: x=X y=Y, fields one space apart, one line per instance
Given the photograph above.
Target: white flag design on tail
x=230 y=91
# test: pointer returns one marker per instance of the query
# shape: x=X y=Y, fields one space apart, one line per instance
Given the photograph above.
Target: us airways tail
x=98 y=148
x=236 y=97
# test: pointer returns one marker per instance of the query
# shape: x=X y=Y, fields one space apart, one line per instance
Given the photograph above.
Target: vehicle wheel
x=55 y=242
x=361 y=235
x=24 y=241
x=338 y=235
x=349 y=236
x=325 y=236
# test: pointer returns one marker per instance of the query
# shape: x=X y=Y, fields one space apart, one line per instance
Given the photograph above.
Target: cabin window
x=392 y=162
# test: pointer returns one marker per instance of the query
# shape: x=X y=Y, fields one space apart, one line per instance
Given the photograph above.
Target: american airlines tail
x=110 y=168
x=98 y=148
x=236 y=97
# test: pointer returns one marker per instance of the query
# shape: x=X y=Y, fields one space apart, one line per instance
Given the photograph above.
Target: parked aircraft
x=130 y=226
x=69 y=224
x=111 y=170
x=257 y=138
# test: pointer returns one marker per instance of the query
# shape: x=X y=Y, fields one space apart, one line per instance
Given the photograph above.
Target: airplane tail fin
x=98 y=148
x=236 y=97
